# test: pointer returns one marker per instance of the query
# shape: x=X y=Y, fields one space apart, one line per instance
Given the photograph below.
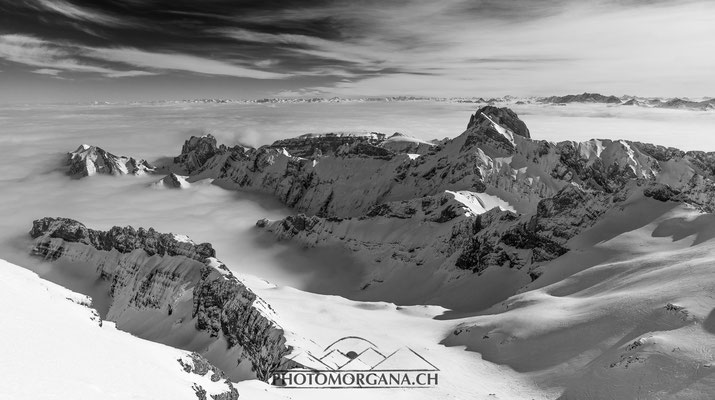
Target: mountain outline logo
x=356 y=362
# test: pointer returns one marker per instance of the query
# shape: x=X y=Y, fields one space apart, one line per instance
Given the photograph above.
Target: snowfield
x=634 y=304
x=56 y=346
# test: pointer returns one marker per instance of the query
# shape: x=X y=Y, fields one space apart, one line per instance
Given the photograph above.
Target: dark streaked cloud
x=64 y=57
x=370 y=47
x=51 y=58
x=75 y=12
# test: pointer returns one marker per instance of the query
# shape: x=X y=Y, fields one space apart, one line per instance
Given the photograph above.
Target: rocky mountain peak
x=173 y=181
x=91 y=160
x=487 y=116
x=493 y=130
x=195 y=151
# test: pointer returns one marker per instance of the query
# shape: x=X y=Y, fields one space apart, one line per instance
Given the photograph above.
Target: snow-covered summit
x=91 y=160
x=404 y=144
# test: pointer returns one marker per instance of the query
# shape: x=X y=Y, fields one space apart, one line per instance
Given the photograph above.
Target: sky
x=112 y=50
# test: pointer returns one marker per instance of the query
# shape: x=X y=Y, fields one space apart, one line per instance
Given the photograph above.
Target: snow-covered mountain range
x=444 y=210
x=532 y=244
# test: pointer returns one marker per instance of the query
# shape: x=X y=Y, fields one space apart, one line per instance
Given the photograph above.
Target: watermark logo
x=354 y=362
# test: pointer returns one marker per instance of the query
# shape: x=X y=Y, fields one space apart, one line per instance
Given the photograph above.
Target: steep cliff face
x=320 y=175
x=174 y=285
x=91 y=160
x=316 y=145
x=346 y=175
x=456 y=233
x=196 y=151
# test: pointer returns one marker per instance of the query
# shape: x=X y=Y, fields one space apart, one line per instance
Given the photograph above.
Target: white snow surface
x=479 y=203
x=183 y=238
x=409 y=139
x=55 y=346
x=633 y=304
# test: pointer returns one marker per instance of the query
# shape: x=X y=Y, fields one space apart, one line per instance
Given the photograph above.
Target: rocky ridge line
x=494 y=155
x=164 y=273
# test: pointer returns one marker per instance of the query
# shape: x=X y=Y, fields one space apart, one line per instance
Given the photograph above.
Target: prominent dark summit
x=502 y=116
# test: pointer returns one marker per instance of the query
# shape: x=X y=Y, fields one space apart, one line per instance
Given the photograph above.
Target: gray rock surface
x=173 y=181
x=198 y=365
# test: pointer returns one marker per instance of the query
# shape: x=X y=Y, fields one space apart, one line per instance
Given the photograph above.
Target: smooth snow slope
x=54 y=346
x=630 y=315
x=463 y=375
x=59 y=350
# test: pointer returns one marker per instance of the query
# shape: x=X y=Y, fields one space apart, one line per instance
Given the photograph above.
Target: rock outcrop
x=196 y=151
x=195 y=363
x=173 y=282
x=91 y=160
x=173 y=181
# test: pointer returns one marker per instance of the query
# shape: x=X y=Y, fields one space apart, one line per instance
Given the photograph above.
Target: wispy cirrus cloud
x=55 y=58
x=335 y=50
x=442 y=40
x=47 y=71
x=535 y=47
x=178 y=62
x=47 y=56
x=76 y=12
